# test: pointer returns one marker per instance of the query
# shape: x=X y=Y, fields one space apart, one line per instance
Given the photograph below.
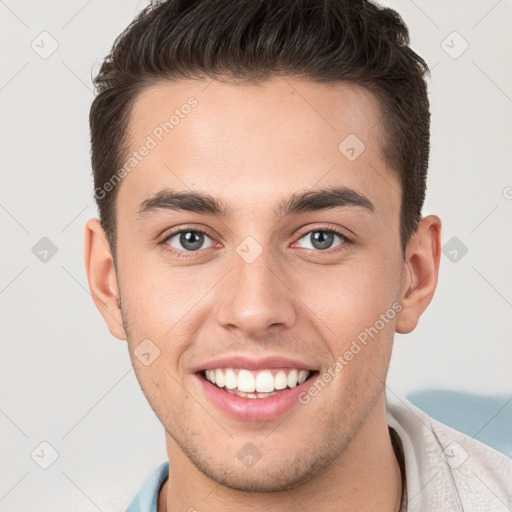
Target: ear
x=102 y=278
x=420 y=273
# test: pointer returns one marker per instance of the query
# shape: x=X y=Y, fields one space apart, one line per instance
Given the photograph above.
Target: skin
x=254 y=146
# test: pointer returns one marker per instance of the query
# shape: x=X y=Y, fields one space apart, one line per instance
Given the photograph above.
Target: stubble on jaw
x=299 y=470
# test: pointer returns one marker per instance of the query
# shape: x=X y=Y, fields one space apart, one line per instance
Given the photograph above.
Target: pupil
x=321 y=239
x=191 y=240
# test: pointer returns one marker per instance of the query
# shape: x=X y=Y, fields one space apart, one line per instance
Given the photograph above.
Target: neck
x=366 y=476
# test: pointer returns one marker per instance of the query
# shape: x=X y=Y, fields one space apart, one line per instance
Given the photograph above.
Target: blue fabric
x=147 y=497
x=486 y=418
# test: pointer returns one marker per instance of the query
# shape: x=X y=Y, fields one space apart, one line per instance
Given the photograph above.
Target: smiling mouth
x=256 y=384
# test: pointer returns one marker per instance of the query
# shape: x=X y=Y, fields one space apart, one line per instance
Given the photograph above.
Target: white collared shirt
x=447 y=470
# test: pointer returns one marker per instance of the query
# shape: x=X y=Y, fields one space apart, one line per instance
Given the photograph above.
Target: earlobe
x=102 y=278
x=420 y=273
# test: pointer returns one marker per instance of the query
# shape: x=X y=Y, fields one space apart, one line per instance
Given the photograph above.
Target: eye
x=323 y=239
x=186 y=240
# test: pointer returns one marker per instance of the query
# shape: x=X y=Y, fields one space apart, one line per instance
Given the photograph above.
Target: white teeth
x=219 y=378
x=210 y=375
x=264 y=382
x=251 y=395
x=292 y=379
x=303 y=375
x=246 y=381
x=231 y=379
x=280 y=380
x=255 y=384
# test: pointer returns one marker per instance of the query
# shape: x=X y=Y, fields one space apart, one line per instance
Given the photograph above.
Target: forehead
x=254 y=142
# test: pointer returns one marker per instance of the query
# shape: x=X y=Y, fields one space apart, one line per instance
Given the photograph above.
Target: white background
x=65 y=380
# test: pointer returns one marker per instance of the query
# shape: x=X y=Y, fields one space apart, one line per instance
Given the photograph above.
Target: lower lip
x=255 y=409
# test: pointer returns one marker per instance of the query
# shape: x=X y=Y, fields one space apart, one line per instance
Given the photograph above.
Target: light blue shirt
x=147 y=498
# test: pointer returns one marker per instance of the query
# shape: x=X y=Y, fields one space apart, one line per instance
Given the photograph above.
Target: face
x=262 y=276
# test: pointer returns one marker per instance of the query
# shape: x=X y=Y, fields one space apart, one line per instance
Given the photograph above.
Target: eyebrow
x=309 y=201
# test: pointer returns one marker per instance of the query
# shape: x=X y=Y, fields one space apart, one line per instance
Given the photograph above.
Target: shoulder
x=147 y=497
x=447 y=469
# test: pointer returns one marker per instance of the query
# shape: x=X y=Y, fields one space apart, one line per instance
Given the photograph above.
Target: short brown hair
x=254 y=40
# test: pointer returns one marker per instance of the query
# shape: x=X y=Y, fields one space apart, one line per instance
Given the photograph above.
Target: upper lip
x=254 y=363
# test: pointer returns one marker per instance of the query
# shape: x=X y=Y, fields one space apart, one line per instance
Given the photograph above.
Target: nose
x=255 y=299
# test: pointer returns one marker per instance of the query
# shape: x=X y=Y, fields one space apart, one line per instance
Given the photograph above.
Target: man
x=260 y=170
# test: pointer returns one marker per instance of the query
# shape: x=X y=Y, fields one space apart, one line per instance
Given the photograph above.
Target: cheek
x=350 y=299
x=164 y=390
x=168 y=306
x=156 y=297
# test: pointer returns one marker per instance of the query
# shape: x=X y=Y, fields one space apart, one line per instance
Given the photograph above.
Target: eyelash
x=187 y=254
